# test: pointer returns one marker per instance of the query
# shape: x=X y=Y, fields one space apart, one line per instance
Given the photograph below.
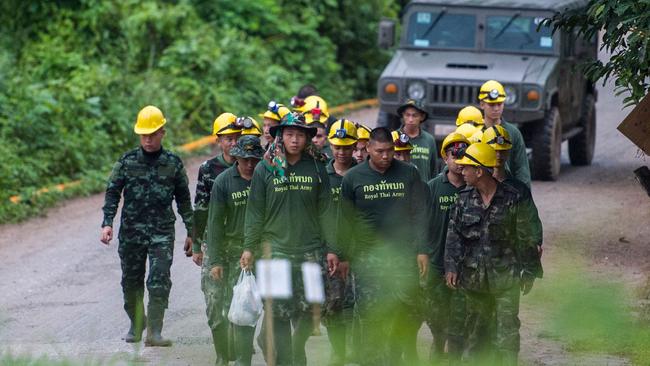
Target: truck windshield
x=441 y=30
x=517 y=33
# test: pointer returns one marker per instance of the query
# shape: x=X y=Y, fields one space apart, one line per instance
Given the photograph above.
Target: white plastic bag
x=246 y=306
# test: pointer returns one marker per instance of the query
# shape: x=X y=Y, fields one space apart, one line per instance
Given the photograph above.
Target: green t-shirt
x=518 y=160
x=424 y=154
x=336 y=180
x=335 y=187
x=288 y=215
x=226 y=215
x=383 y=213
x=443 y=197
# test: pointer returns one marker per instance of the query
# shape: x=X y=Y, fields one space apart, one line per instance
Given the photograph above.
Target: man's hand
x=188 y=247
x=197 y=258
x=246 y=260
x=452 y=279
x=216 y=273
x=107 y=235
x=332 y=263
x=526 y=284
x=423 y=264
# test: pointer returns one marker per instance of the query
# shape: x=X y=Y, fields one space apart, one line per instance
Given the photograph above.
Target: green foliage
x=74 y=73
x=590 y=314
x=625 y=26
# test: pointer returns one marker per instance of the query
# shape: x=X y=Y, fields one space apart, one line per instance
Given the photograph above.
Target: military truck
x=447 y=49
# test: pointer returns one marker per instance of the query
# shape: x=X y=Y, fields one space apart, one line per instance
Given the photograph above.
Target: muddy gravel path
x=60 y=293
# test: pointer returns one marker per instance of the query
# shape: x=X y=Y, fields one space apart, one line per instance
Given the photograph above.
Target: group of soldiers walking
x=399 y=243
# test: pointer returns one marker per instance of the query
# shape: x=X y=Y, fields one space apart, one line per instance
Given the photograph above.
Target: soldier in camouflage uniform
x=226 y=128
x=499 y=138
x=224 y=243
x=150 y=177
x=491 y=252
x=382 y=231
x=290 y=195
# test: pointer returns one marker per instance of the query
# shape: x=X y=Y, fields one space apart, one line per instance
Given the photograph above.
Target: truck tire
x=581 y=146
x=390 y=121
x=547 y=147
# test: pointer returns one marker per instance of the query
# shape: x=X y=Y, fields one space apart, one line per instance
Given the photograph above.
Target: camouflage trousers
x=389 y=307
x=135 y=247
x=218 y=294
x=231 y=342
x=338 y=315
x=293 y=319
x=445 y=315
x=493 y=326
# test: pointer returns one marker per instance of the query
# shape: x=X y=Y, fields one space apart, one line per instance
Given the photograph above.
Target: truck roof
x=553 y=5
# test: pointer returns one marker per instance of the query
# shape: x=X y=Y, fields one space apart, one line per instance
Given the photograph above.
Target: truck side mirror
x=386 y=35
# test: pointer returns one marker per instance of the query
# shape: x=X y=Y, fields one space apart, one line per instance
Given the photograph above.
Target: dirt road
x=61 y=296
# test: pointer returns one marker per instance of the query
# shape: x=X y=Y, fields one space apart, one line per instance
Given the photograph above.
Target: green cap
x=248 y=146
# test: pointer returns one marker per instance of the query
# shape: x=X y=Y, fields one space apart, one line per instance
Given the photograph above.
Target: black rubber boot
x=336 y=335
x=455 y=349
x=243 y=345
x=134 y=307
x=136 y=329
x=220 y=342
x=154 y=328
x=437 y=353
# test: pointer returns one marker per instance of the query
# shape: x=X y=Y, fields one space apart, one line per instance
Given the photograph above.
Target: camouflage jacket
x=208 y=172
x=491 y=248
x=149 y=184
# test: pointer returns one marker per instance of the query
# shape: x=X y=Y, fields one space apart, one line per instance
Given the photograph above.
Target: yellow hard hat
x=363 y=132
x=492 y=92
x=314 y=101
x=470 y=114
x=454 y=138
x=275 y=111
x=249 y=128
x=315 y=116
x=225 y=124
x=343 y=133
x=466 y=129
x=150 y=119
x=479 y=154
x=401 y=141
x=476 y=136
x=497 y=137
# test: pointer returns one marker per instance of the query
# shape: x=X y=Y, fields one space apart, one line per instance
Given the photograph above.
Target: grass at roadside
x=591 y=314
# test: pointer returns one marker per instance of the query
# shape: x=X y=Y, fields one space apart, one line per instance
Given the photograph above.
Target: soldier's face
x=470 y=174
x=246 y=166
x=153 y=141
x=268 y=123
x=320 y=138
x=493 y=111
x=381 y=153
x=502 y=157
x=404 y=155
x=360 y=151
x=342 y=154
x=412 y=117
x=227 y=142
x=450 y=159
x=295 y=140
